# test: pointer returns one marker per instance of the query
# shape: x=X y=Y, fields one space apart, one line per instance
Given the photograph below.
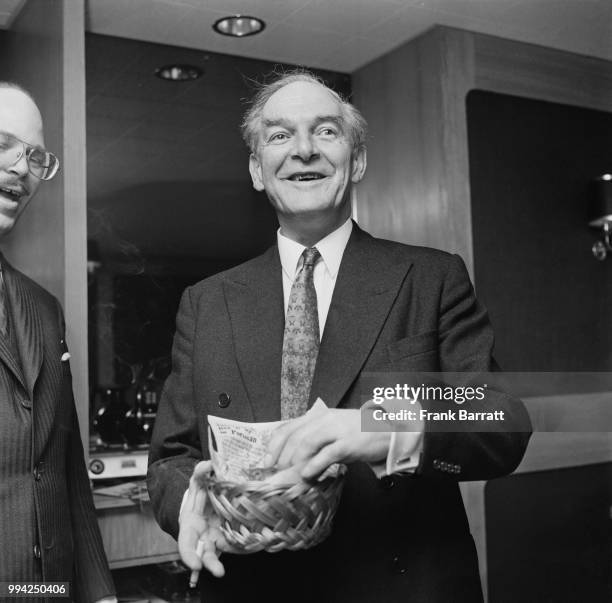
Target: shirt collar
x=331 y=249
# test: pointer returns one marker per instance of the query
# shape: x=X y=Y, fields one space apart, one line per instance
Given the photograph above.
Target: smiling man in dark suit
x=304 y=321
x=48 y=527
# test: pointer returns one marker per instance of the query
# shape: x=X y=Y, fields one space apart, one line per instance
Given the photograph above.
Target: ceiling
x=344 y=35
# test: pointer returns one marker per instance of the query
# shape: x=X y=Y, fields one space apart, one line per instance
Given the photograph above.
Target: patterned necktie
x=300 y=341
x=4 y=323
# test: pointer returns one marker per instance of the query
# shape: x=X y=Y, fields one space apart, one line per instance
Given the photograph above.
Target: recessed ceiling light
x=239 y=26
x=178 y=73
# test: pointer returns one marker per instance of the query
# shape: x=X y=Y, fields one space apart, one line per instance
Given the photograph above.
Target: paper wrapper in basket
x=262 y=510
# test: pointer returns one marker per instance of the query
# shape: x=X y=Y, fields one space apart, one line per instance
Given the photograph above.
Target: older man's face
x=305 y=160
x=20 y=117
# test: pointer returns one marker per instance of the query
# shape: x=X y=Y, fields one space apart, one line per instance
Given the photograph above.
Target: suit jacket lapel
x=365 y=290
x=255 y=303
x=366 y=287
x=27 y=327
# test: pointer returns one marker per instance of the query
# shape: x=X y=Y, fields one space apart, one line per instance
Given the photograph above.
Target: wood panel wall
x=417 y=186
x=414 y=190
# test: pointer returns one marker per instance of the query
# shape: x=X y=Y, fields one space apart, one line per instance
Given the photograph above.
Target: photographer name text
x=422 y=414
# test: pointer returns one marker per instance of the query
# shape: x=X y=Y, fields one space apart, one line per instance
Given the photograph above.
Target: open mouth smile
x=306 y=177
x=14 y=194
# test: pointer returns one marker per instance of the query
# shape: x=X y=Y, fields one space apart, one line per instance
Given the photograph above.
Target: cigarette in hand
x=195 y=574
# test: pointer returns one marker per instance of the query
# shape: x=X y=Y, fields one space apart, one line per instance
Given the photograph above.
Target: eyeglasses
x=42 y=164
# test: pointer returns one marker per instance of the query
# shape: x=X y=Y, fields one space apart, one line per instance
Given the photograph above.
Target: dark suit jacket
x=394 y=308
x=50 y=501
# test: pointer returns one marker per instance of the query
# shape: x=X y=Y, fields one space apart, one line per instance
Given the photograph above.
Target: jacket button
x=436 y=464
x=224 y=400
x=36 y=473
x=397 y=566
x=387 y=482
x=36 y=551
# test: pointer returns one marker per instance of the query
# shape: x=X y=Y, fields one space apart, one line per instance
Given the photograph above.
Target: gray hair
x=357 y=125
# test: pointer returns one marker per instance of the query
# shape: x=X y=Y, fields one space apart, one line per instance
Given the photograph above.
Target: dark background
x=531 y=163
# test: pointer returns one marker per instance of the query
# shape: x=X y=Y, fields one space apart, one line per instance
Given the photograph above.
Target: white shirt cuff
x=405 y=447
x=404 y=453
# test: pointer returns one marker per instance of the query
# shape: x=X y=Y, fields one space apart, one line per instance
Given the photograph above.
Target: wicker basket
x=256 y=516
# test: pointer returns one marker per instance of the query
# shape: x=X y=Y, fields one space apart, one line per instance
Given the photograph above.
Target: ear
x=255 y=169
x=360 y=162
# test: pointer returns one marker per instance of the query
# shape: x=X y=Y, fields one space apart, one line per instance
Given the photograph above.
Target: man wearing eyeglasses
x=48 y=527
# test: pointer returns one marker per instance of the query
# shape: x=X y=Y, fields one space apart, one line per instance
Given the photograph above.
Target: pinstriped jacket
x=48 y=527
